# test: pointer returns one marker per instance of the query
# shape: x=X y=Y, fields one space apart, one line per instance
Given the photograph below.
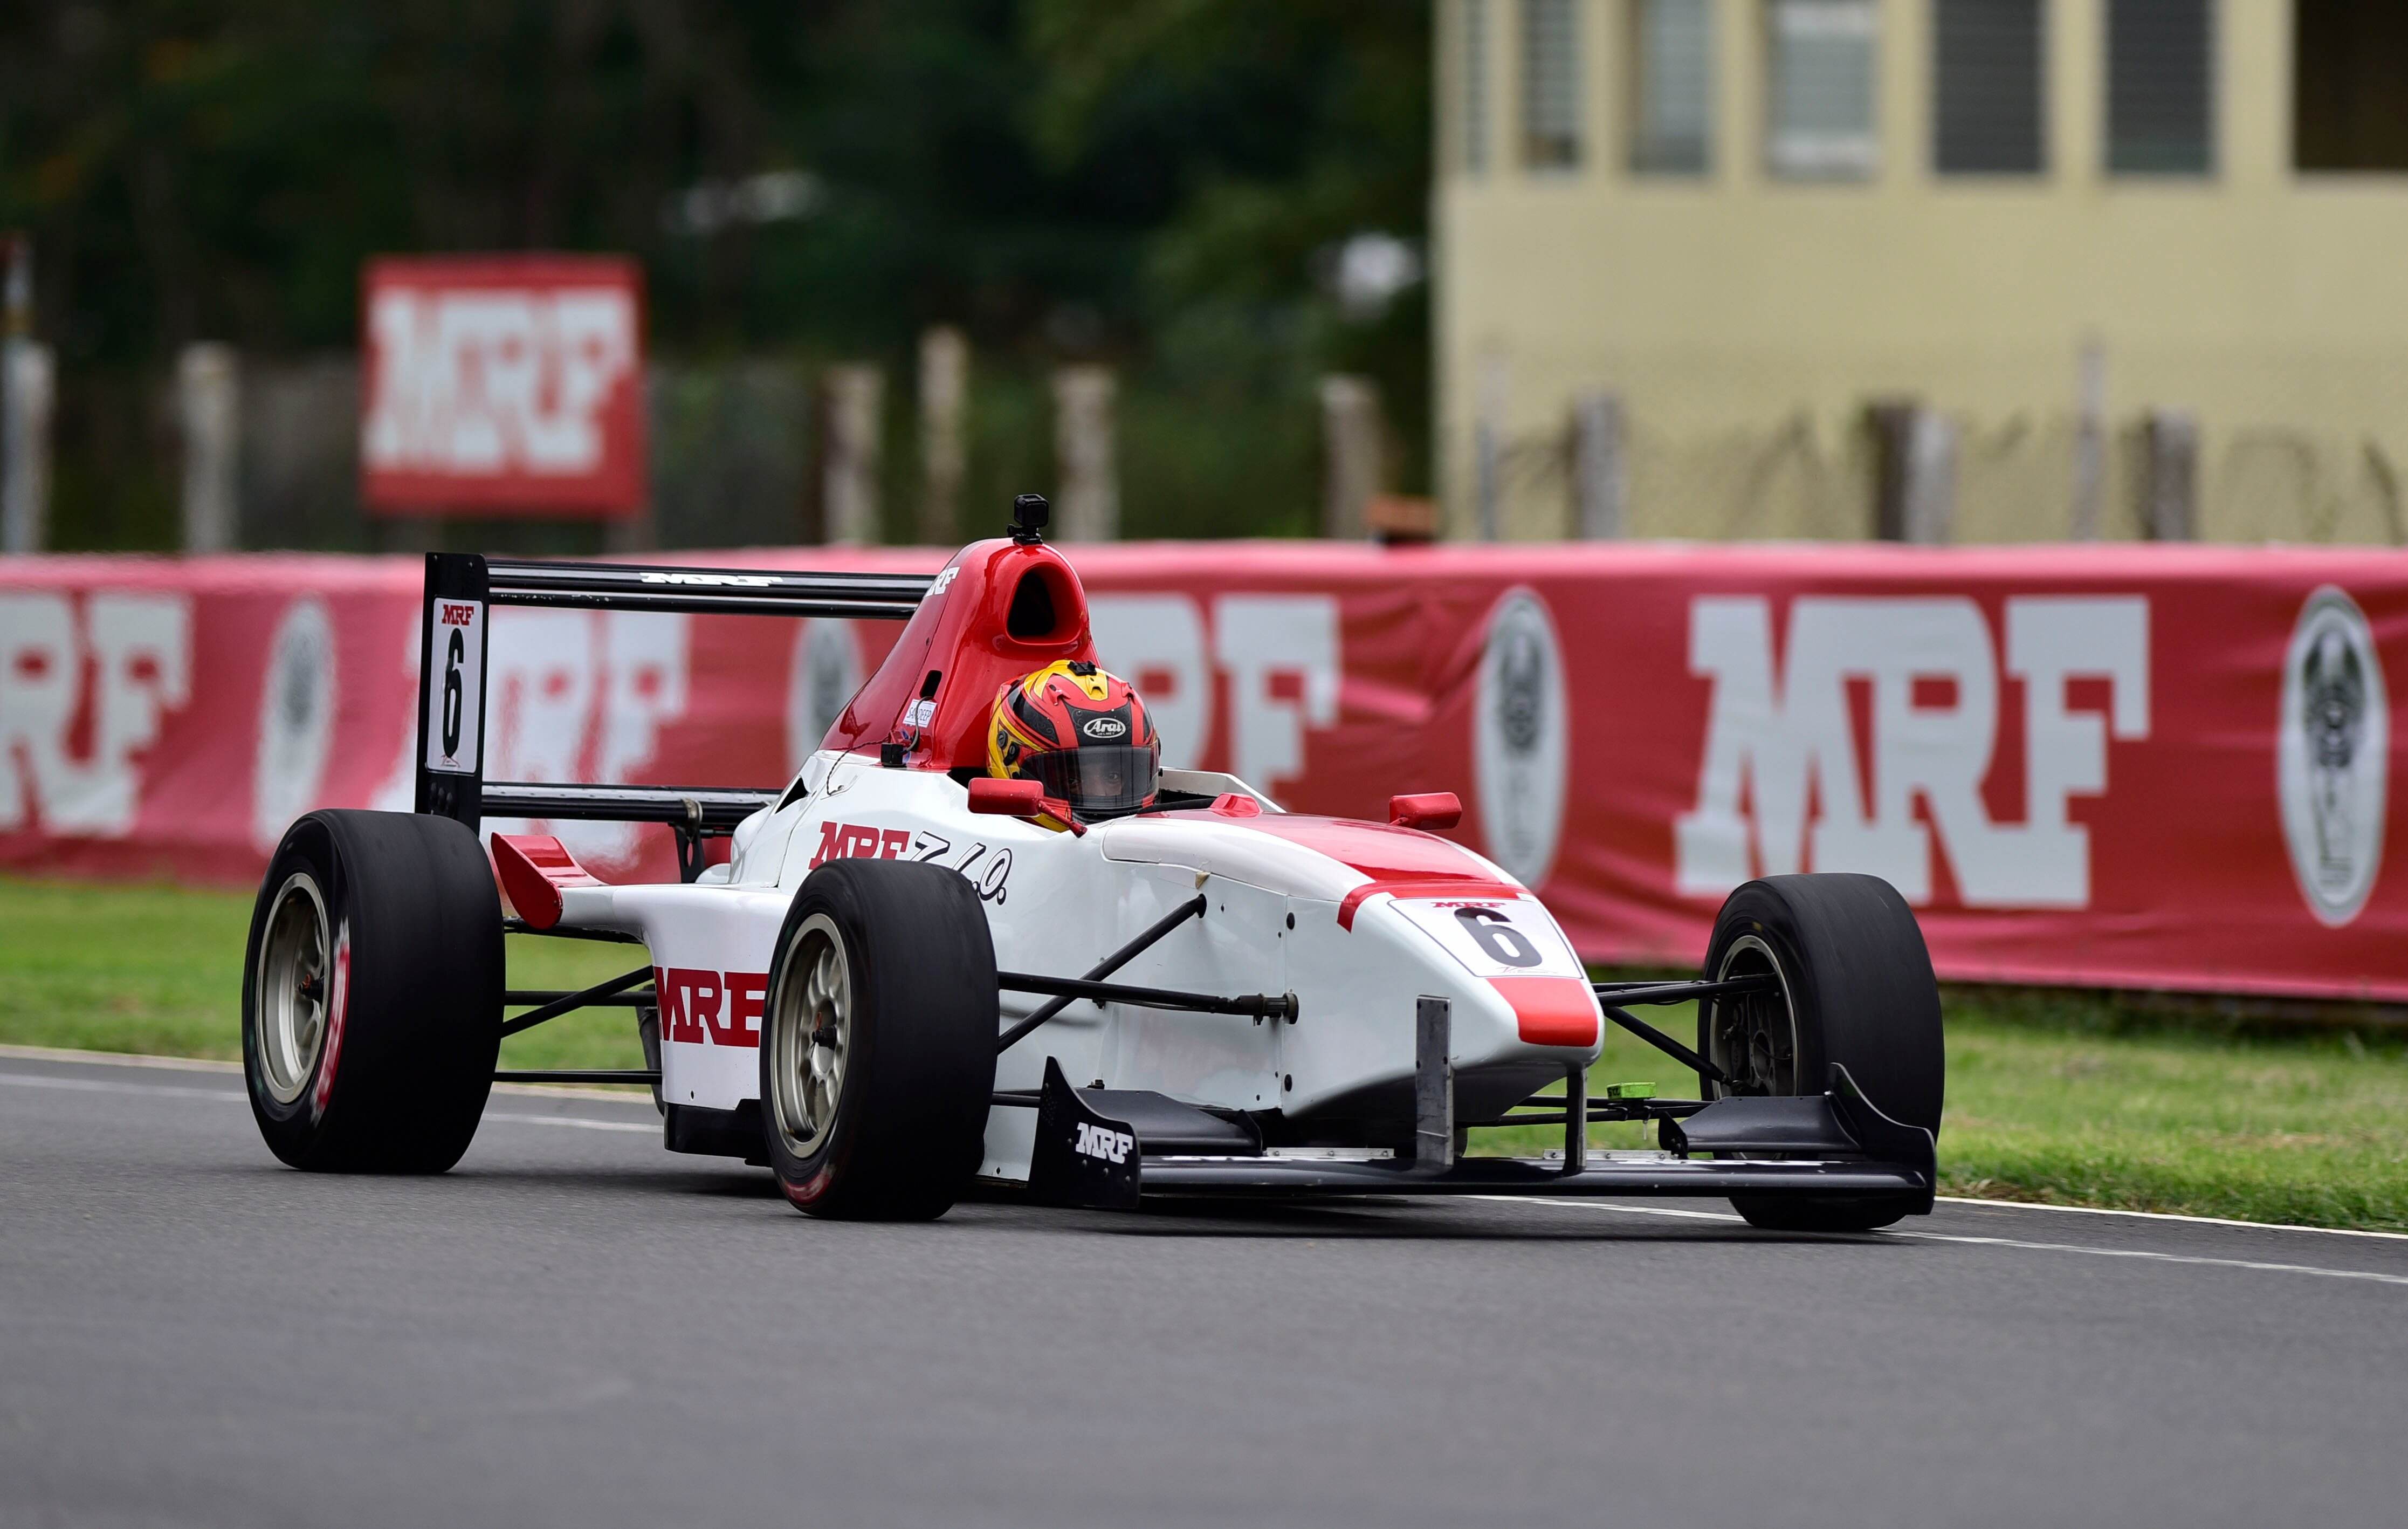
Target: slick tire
x=877 y=1046
x=1856 y=988
x=372 y=993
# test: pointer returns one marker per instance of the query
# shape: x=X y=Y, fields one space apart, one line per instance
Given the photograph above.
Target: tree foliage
x=1072 y=174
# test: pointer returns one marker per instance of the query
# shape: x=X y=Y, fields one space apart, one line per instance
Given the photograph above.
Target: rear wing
x=460 y=591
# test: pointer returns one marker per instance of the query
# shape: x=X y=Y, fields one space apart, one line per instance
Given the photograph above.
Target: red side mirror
x=1426 y=809
x=1006 y=799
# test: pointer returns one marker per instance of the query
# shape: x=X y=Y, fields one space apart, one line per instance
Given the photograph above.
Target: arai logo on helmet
x=1103 y=727
x=2331 y=748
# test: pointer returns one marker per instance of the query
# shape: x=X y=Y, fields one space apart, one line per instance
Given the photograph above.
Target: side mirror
x=1426 y=809
x=1007 y=799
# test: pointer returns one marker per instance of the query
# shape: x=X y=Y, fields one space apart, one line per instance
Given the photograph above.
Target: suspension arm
x=1668 y=1045
x=577 y=999
x=1193 y=908
x=1682 y=992
x=1260 y=1005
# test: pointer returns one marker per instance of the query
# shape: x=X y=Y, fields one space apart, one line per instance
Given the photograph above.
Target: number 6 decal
x=1499 y=937
x=451 y=694
x=455 y=711
x=1494 y=933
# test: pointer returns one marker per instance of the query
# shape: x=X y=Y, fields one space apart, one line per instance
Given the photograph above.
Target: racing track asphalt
x=577 y=1328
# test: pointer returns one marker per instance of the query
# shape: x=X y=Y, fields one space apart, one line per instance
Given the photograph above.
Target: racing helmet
x=1080 y=732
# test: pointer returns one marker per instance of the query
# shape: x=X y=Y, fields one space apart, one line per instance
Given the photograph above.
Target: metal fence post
x=2089 y=443
x=1488 y=445
x=2169 y=477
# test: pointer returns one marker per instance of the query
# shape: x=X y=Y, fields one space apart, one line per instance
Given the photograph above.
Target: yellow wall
x=1746 y=320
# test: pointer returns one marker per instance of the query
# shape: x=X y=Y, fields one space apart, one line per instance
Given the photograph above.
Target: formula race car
x=960 y=948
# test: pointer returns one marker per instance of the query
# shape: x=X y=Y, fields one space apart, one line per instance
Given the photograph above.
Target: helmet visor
x=1099 y=781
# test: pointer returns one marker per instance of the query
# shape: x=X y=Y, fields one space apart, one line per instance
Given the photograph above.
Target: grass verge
x=158 y=971
x=2069 y=1099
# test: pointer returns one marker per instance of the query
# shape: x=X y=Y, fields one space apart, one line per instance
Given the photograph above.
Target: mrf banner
x=503 y=384
x=2150 y=767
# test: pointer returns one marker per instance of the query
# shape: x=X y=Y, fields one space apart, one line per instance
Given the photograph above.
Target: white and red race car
x=906 y=980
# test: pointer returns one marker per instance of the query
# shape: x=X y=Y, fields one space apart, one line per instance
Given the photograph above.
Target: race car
x=982 y=938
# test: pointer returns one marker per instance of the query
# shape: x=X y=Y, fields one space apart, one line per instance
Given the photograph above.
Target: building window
x=2349 y=103
x=1551 y=94
x=1821 y=85
x=2161 y=87
x=1671 y=86
x=1474 y=65
x=1986 y=87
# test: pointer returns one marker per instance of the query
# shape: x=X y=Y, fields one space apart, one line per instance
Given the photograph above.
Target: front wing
x=1832 y=1145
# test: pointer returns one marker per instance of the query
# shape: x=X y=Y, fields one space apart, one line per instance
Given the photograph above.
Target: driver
x=1080 y=732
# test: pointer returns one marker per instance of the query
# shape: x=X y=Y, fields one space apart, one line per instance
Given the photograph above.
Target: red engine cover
x=999 y=610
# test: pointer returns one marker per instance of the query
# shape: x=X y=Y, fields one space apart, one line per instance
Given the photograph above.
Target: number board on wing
x=1495 y=937
x=455 y=698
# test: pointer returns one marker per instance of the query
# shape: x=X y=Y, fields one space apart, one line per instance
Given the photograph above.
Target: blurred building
x=2004 y=269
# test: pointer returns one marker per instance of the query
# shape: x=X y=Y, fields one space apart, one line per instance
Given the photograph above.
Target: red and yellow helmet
x=1080 y=732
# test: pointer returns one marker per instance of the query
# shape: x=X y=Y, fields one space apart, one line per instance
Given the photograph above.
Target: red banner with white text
x=507 y=383
x=2129 y=766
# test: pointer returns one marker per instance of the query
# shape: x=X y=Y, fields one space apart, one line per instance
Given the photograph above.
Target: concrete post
x=1351 y=453
x=1088 y=506
x=1915 y=484
x=945 y=390
x=2170 y=475
x=28 y=389
x=208 y=415
x=849 y=475
x=1931 y=479
x=1599 y=475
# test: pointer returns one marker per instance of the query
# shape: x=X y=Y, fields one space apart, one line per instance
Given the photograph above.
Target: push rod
x=1682 y=992
x=579 y=1000
x=582 y=1074
x=1601 y=1112
x=518 y=996
x=1260 y=1005
x=1668 y=1045
x=1193 y=908
x=607 y=936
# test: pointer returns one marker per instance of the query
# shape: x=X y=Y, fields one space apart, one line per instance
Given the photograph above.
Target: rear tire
x=1857 y=989
x=372 y=993
x=877 y=1044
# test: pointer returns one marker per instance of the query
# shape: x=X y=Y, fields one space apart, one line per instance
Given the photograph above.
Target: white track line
x=202 y=1064
x=89 y=1085
x=117 y=1058
x=2167 y=1215
x=173 y=1090
x=2143 y=1254
x=578 y=1120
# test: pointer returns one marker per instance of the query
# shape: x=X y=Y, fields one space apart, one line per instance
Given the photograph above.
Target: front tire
x=878 y=1046
x=372 y=993
x=1856 y=988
